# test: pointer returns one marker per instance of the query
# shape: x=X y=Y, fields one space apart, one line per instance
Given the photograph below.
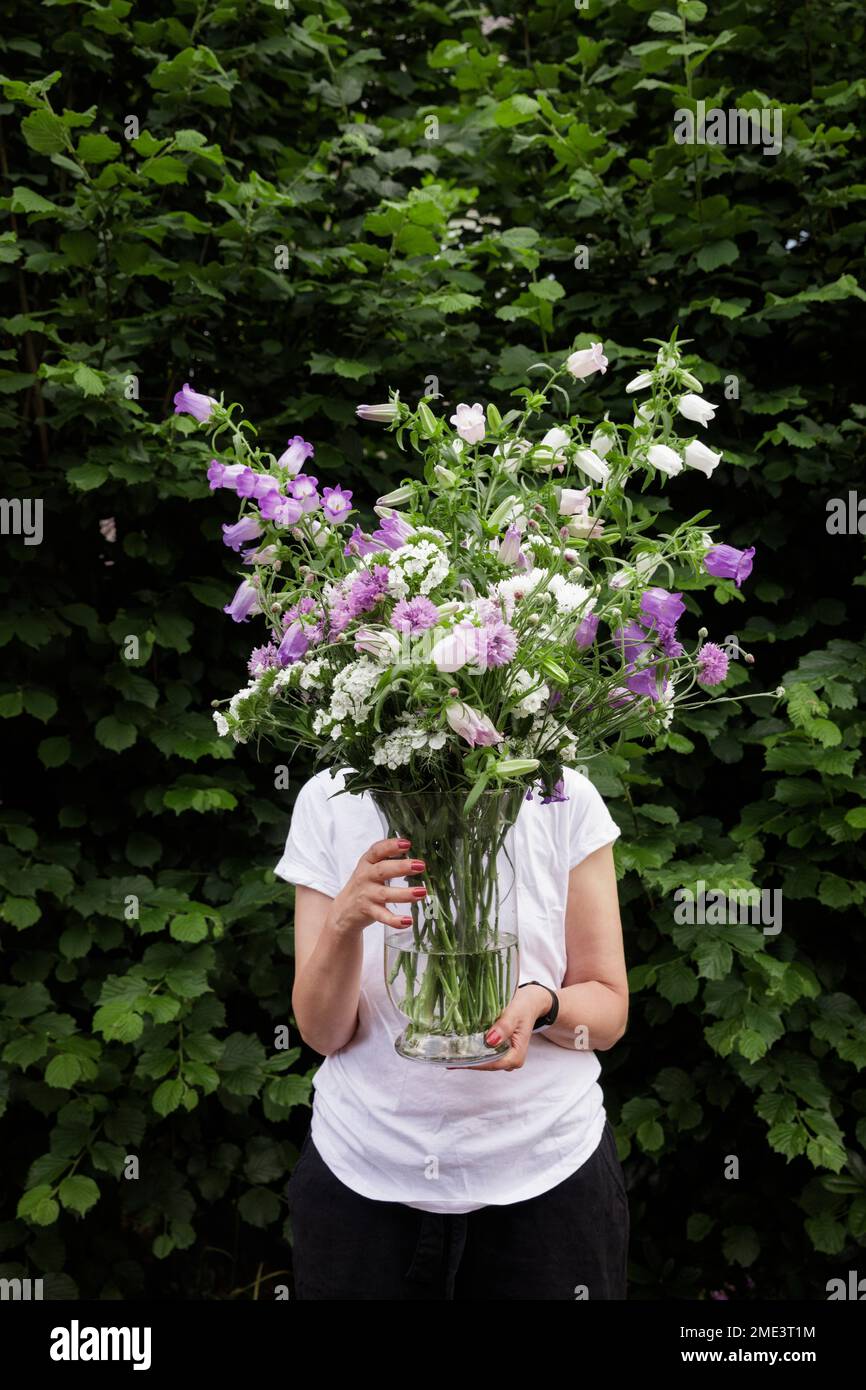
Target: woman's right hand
x=364 y=899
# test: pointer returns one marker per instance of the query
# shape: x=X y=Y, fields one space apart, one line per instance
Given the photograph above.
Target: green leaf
x=21 y=912
x=663 y=22
x=40 y=704
x=38 y=1206
x=52 y=752
x=259 y=1207
x=168 y=1096
x=78 y=1193
x=717 y=253
x=113 y=733
x=740 y=1245
x=88 y=381
x=86 y=476
x=97 y=149
x=516 y=110
x=44 y=132
x=63 y=1071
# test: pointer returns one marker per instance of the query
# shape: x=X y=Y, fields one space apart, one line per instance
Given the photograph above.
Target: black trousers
x=568 y=1243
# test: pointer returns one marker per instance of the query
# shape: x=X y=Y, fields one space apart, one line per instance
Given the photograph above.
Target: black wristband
x=550 y=1016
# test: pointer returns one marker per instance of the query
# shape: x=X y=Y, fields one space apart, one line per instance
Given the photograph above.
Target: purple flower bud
x=509 y=547
x=295 y=455
x=247 y=529
x=380 y=414
x=295 y=642
x=586 y=631
x=245 y=602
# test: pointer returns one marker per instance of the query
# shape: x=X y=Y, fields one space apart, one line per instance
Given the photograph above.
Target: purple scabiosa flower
x=393 y=531
x=658 y=606
x=359 y=543
x=189 y=402
x=712 y=664
x=557 y=793
x=413 y=615
x=496 y=645
x=247 y=529
x=632 y=641
x=298 y=610
x=245 y=602
x=726 y=562
x=667 y=640
x=304 y=490
x=366 y=590
x=339 y=618
x=295 y=454
x=294 y=644
x=586 y=631
x=224 y=474
x=336 y=503
x=262 y=659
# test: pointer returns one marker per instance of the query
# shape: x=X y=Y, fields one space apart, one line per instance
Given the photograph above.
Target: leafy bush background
x=317 y=202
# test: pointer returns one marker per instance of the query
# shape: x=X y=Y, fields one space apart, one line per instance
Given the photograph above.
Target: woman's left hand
x=516 y=1024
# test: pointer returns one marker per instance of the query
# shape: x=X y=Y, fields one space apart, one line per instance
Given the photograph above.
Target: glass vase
x=455 y=969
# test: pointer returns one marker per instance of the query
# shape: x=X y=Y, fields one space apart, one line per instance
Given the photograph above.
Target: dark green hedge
x=298 y=207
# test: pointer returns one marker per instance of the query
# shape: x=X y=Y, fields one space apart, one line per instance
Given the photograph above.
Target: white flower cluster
x=570 y=598
x=532 y=702
x=309 y=676
x=421 y=560
x=395 y=749
x=518 y=586
x=350 y=698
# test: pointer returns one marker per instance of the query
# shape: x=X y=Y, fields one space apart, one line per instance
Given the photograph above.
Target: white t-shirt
x=453 y=1140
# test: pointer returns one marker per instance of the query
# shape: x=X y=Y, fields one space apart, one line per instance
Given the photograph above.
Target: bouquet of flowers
x=506 y=614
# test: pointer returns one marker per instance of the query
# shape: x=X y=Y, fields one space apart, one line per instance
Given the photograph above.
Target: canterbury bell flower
x=475 y=728
x=587 y=361
x=470 y=423
x=589 y=463
x=189 y=402
x=665 y=460
x=693 y=408
x=698 y=456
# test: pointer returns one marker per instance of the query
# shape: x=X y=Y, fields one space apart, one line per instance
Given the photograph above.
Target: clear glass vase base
x=465 y=1051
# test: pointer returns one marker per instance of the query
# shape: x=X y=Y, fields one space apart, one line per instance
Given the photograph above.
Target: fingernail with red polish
x=404 y=844
x=417 y=866
x=419 y=892
x=493 y=1037
x=407 y=921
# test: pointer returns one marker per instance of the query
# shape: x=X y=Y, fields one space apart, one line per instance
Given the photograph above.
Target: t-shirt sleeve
x=309 y=857
x=592 y=825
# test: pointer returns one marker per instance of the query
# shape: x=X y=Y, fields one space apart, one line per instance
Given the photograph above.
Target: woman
x=499 y=1181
